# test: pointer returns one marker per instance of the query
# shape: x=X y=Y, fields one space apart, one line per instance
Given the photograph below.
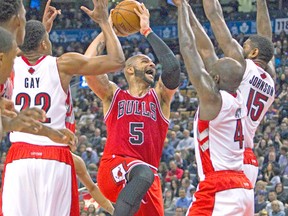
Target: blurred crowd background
x=177 y=168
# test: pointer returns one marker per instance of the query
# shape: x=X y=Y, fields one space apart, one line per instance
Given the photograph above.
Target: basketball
x=124 y=19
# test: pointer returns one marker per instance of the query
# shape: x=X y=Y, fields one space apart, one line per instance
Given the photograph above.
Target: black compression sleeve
x=171 y=67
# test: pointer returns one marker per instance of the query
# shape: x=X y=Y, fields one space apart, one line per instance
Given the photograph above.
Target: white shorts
x=39 y=181
x=223 y=193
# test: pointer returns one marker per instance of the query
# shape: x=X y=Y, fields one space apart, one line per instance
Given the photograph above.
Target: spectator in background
x=174 y=173
x=281 y=194
x=187 y=186
x=186 y=143
x=180 y=161
x=276 y=210
x=90 y=156
x=175 y=187
x=260 y=203
x=169 y=202
x=168 y=151
x=96 y=139
x=173 y=140
x=272 y=196
x=183 y=202
x=100 y=149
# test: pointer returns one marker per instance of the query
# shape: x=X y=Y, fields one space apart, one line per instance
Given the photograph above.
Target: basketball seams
x=127 y=22
x=124 y=17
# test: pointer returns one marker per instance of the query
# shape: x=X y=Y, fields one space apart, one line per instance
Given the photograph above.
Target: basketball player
x=219 y=122
x=12 y=18
x=137 y=123
x=257 y=86
x=42 y=80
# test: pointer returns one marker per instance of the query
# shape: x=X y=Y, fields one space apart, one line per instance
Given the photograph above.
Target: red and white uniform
x=258 y=91
x=36 y=167
x=136 y=130
x=223 y=187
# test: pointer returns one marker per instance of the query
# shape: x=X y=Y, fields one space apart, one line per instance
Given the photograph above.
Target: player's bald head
x=230 y=73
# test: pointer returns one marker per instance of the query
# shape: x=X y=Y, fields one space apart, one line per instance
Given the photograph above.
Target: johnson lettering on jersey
x=258 y=90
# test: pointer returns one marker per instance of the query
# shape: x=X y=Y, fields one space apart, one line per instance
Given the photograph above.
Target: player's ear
x=254 y=53
x=44 y=45
x=130 y=69
x=216 y=78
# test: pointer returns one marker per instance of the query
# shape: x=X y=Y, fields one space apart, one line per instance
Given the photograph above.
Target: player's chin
x=150 y=80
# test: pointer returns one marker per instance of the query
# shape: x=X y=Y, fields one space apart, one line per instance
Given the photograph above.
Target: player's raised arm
x=227 y=43
x=170 y=77
x=198 y=76
x=203 y=42
x=73 y=63
x=100 y=84
x=264 y=28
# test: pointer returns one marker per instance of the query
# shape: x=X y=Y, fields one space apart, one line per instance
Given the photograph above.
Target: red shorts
x=206 y=202
x=111 y=179
x=250 y=165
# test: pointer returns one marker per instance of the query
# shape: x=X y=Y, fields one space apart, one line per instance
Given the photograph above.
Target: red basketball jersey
x=136 y=127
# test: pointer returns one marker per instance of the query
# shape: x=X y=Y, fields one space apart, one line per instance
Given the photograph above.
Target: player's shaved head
x=230 y=73
x=131 y=61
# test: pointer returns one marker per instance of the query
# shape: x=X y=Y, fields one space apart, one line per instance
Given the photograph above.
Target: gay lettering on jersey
x=262 y=85
x=31 y=82
x=133 y=107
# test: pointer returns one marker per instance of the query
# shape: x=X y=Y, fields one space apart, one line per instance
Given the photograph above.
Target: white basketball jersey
x=39 y=86
x=258 y=90
x=219 y=142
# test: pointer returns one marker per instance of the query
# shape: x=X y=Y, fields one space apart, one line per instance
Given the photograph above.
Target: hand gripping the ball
x=144 y=15
x=99 y=14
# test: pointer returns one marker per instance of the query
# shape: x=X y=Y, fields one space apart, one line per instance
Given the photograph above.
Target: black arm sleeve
x=171 y=67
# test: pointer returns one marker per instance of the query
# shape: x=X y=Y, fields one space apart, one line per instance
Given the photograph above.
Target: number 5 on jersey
x=136 y=133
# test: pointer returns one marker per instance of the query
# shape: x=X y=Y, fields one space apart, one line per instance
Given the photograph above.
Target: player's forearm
x=171 y=67
x=113 y=46
x=6 y=126
x=101 y=200
x=264 y=27
x=187 y=45
x=203 y=42
x=97 y=46
x=213 y=10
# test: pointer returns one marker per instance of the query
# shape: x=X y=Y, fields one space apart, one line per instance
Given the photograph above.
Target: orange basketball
x=125 y=20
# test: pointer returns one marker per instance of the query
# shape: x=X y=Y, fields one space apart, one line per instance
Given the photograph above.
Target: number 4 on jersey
x=238 y=136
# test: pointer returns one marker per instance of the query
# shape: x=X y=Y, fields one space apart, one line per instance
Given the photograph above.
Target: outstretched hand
x=50 y=14
x=100 y=11
x=144 y=16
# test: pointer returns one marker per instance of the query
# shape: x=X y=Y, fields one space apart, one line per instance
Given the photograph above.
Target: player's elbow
x=117 y=63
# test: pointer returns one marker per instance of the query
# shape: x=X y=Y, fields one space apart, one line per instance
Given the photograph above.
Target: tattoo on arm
x=100 y=47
